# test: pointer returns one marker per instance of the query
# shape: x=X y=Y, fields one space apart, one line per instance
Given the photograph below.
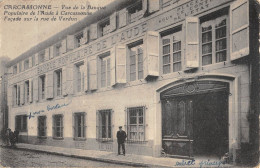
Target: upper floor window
x=135 y=11
x=171 y=52
x=33 y=60
x=78 y=37
x=58 y=82
x=136 y=61
x=15 y=95
x=20 y=66
x=21 y=123
x=104 y=27
x=80 y=77
x=15 y=69
x=26 y=89
x=105 y=125
x=18 y=95
x=26 y=64
x=42 y=87
x=57 y=49
x=214 y=40
x=105 y=69
x=41 y=57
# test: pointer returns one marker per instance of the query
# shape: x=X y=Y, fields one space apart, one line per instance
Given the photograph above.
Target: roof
x=80 y=25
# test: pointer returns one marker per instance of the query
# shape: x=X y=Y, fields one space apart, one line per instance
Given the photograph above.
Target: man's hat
x=120 y=126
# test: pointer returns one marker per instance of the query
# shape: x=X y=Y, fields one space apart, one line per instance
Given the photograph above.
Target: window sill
x=79 y=139
x=58 y=138
x=136 y=141
x=104 y=140
x=42 y=137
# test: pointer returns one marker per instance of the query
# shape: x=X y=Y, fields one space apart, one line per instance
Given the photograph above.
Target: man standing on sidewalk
x=121 y=136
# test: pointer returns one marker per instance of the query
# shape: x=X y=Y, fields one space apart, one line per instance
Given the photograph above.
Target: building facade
x=177 y=75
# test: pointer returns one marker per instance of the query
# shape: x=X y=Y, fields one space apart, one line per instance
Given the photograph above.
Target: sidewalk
x=128 y=159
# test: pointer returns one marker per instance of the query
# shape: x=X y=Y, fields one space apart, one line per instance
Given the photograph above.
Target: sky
x=16 y=37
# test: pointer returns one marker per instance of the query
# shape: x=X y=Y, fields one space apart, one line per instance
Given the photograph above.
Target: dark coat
x=121 y=136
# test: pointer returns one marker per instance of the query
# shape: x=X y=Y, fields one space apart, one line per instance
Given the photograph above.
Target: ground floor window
x=21 y=123
x=58 y=126
x=79 y=125
x=135 y=124
x=104 y=128
x=42 y=126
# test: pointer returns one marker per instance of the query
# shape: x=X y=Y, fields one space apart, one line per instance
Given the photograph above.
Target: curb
x=120 y=162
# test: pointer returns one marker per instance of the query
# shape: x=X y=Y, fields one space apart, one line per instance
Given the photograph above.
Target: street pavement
x=24 y=158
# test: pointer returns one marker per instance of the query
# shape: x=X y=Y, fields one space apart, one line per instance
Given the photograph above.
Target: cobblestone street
x=21 y=158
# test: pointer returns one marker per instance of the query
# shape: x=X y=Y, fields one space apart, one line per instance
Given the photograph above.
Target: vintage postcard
x=129 y=83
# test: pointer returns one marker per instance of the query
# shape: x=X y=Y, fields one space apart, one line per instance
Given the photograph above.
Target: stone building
x=181 y=77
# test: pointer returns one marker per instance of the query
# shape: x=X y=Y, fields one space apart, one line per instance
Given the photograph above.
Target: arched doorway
x=195 y=119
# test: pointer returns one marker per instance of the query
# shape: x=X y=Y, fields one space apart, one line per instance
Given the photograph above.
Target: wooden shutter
x=85 y=36
x=93 y=74
x=36 y=89
x=113 y=66
x=36 y=59
x=122 y=17
x=51 y=52
x=30 y=90
x=93 y=31
x=113 y=22
x=85 y=75
x=63 y=48
x=64 y=81
x=239 y=29
x=47 y=54
x=154 y=5
x=69 y=80
x=22 y=93
x=120 y=64
x=49 y=85
x=151 y=54
x=192 y=43
x=10 y=95
x=30 y=62
x=99 y=124
x=70 y=42
x=145 y=6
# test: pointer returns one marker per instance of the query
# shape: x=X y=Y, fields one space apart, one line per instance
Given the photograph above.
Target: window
x=58 y=82
x=15 y=95
x=80 y=77
x=18 y=95
x=42 y=87
x=57 y=49
x=171 y=52
x=42 y=126
x=135 y=12
x=15 y=69
x=105 y=70
x=21 y=123
x=104 y=27
x=135 y=124
x=33 y=60
x=214 y=40
x=104 y=128
x=79 y=125
x=26 y=64
x=136 y=61
x=26 y=89
x=78 y=37
x=20 y=66
x=58 y=126
x=41 y=57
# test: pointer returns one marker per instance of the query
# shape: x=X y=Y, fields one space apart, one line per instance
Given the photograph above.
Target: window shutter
x=192 y=43
x=122 y=17
x=63 y=48
x=10 y=95
x=64 y=80
x=30 y=62
x=35 y=89
x=47 y=54
x=14 y=93
x=22 y=93
x=49 y=85
x=85 y=75
x=69 y=80
x=120 y=64
x=85 y=36
x=113 y=66
x=113 y=22
x=30 y=90
x=154 y=5
x=239 y=29
x=70 y=42
x=51 y=52
x=93 y=74
x=93 y=31
x=145 y=6
x=98 y=122
x=22 y=66
x=36 y=59
x=151 y=54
